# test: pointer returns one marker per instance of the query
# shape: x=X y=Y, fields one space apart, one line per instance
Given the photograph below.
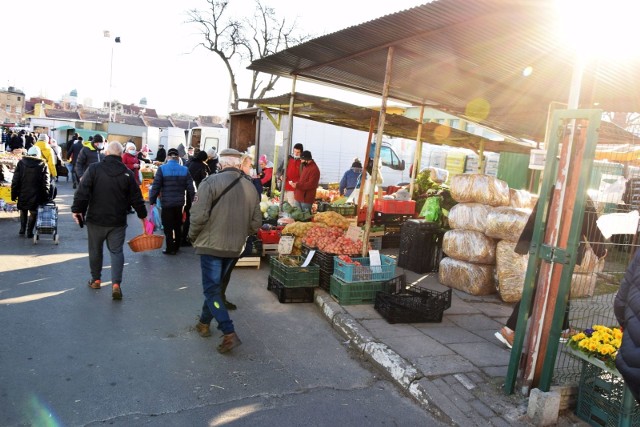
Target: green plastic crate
x=603 y=399
x=344 y=210
x=295 y=277
x=358 y=292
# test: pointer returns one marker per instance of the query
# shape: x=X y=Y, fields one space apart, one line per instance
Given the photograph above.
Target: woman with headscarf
x=266 y=173
x=30 y=186
x=351 y=178
x=131 y=161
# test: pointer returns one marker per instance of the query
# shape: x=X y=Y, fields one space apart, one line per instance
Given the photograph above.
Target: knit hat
x=129 y=146
x=145 y=148
x=306 y=155
x=43 y=137
x=211 y=152
x=356 y=164
x=97 y=138
x=34 y=151
x=173 y=152
x=263 y=159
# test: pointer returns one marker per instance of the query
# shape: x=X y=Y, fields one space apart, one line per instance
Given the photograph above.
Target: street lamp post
x=116 y=40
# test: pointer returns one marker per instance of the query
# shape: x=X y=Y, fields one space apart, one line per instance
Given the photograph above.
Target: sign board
x=285 y=246
x=279 y=138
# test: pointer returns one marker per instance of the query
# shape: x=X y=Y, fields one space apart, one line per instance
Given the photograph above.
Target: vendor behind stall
x=351 y=178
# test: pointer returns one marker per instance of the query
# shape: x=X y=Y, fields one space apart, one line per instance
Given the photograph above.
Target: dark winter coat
x=31 y=183
x=106 y=192
x=161 y=155
x=199 y=170
x=88 y=156
x=627 y=310
x=307 y=185
x=74 y=152
x=213 y=165
x=171 y=182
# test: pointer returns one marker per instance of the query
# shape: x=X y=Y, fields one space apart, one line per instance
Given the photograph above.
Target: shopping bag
x=157 y=221
x=149 y=226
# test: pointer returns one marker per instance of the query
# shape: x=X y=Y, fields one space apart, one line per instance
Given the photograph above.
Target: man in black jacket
x=175 y=184
x=105 y=193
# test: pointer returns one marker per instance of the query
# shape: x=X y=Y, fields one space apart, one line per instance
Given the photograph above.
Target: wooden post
x=289 y=137
x=376 y=157
x=417 y=157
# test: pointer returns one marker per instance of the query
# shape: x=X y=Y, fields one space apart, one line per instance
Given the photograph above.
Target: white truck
x=198 y=137
x=333 y=147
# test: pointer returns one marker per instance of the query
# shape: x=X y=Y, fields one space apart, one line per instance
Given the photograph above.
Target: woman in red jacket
x=131 y=161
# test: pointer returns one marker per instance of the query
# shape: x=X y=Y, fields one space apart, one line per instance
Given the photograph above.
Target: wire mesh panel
x=614 y=187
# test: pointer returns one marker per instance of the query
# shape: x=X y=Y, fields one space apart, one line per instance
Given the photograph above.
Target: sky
x=60 y=46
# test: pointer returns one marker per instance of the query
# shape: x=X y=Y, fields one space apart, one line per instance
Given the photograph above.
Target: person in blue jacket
x=351 y=178
x=175 y=185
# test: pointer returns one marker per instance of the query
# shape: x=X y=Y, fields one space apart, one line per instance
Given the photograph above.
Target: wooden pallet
x=253 y=261
x=269 y=249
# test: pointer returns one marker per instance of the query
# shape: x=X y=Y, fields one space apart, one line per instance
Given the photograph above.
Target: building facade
x=12 y=103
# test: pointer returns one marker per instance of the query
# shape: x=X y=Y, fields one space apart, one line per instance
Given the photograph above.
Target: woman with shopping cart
x=30 y=187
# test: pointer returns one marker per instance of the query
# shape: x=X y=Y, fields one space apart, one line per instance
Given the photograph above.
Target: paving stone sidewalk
x=455 y=368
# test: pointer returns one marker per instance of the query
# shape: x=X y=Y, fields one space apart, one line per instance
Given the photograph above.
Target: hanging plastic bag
x=149 y=226
x=157 y=221
x=431 y=210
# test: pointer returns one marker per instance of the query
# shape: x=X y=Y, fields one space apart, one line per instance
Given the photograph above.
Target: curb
x=398 y=369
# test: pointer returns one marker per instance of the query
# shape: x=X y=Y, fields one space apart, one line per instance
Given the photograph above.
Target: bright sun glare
x=600 y=29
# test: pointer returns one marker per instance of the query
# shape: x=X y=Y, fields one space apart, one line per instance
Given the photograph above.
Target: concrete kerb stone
x=400 y=370
x=349 y=327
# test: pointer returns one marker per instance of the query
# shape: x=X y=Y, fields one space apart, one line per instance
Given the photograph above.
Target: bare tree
x=248 y=39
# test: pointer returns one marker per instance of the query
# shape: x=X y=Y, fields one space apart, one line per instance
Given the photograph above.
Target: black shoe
x=30 y=236
x=22 y=231
x=166 y=252
x=185 y=244
x=230 y=305
x=74 y=186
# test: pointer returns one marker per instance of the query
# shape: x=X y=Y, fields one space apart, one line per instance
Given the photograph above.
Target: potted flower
x=598 y=342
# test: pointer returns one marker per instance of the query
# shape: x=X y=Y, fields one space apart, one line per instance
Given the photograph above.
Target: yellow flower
x=579 y=336
x=606 y=349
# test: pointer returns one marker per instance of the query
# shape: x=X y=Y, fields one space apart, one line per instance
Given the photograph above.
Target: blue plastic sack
x=155 y=215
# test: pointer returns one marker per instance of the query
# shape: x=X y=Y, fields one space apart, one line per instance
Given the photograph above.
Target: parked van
x=202 y=138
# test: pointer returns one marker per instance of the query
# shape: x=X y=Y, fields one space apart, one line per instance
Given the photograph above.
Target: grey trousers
x=114 y=236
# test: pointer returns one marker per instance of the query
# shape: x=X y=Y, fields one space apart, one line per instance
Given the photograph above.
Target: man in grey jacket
x=224 y=212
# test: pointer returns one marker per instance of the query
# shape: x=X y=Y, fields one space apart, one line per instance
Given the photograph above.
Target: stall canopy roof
x=467 y=58
x=356 y=117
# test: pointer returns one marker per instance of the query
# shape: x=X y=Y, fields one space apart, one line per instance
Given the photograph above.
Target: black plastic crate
x=420 y=246
x=383 y=218
x=413 y=305
x=325 y=279
x=391 y=241
x=290 y=295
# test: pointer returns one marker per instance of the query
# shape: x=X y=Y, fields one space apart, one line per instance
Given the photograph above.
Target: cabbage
x=263 y=206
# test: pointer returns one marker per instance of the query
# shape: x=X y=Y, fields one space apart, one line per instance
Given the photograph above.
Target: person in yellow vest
x=47 y=153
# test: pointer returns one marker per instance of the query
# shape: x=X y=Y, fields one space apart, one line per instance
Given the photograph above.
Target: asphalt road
x=70 y=356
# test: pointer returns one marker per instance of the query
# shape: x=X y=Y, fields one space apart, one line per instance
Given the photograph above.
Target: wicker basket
x=146 y=242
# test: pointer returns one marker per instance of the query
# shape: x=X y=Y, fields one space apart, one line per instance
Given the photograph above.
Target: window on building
x=18 y=110
x=19 y=99
x=454 y=123
x=8 y=108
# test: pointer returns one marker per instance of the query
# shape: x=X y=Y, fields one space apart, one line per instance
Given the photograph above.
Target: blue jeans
x=213 y=270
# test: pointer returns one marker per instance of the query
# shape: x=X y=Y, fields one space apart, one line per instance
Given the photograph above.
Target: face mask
x=132 y=152
x=99 y=146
